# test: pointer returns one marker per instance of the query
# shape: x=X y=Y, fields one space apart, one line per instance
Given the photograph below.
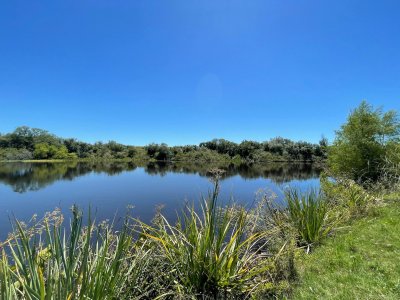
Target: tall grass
x=89 y=263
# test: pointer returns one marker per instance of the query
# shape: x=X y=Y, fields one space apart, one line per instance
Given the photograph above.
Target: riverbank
x=359 y=262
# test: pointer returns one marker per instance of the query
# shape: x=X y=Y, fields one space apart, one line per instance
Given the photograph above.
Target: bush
x=347 y=196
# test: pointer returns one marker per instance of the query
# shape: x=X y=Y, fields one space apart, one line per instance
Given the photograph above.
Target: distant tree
x=163 y=153
x=72 y=145
x=15 y=154
x=115 y=147
x=22 y=137
x=60 y=152
x=247 y=148
x=131 y=152
x=159 y=151
x=41 y=151
x=222 y=146
x=279 y=145
x=322 y=148
x=151 y=150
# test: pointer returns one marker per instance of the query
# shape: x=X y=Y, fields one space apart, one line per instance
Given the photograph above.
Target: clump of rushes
x=308 y=213
x=88 y=263
x=212 y=254
x=305 y=217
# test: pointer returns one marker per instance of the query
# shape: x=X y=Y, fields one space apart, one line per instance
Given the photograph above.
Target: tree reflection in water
x=23 y=177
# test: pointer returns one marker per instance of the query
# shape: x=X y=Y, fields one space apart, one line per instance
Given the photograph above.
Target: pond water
x=109 y=187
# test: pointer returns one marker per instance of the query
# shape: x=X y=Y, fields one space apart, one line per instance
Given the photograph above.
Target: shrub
x=347 y=196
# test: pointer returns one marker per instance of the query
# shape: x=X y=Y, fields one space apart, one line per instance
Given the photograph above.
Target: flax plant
x=211 y=253
x=308 y=213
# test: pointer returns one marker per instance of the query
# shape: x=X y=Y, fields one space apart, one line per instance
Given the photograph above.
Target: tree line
x=26 y=143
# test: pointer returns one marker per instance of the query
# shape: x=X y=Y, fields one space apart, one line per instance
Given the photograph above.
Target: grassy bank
x=361 y=261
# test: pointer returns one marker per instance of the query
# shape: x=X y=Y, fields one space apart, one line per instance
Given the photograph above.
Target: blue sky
x=184 y=71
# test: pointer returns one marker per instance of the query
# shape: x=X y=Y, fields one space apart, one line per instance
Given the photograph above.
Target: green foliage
x=308 y=213
x=159 y=151
x=46 y=151
x=350 y=198
x=131 y=152
x=359 y=262
x=212 y=254
x=15 y=154
x=41 y=151
x=363 y=142
x=204 y=155
x=305 y=216
x=274 y=150
x=43 y=145
x=88 y=263
x=221 y=146
x=25 y=137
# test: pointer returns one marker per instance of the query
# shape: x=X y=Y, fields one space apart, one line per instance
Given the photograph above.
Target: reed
x=88 y=263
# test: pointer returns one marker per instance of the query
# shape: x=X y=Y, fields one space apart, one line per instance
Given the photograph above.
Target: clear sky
x=186 y=71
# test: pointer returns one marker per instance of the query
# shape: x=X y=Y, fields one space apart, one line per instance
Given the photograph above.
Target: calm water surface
x=109 y=187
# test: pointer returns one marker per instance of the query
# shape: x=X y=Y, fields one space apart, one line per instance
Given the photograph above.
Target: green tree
x=61 y=153
x=361 y=145
x=247 y=148
x=41 y=151
x=131 y=152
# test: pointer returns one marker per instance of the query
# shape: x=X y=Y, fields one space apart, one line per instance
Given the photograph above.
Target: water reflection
x=24 y=177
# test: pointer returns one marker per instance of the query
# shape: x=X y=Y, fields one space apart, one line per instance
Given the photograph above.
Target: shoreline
x=162 y=161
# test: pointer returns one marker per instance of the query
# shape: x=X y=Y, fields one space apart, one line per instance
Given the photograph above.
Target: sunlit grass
x=360 y=262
